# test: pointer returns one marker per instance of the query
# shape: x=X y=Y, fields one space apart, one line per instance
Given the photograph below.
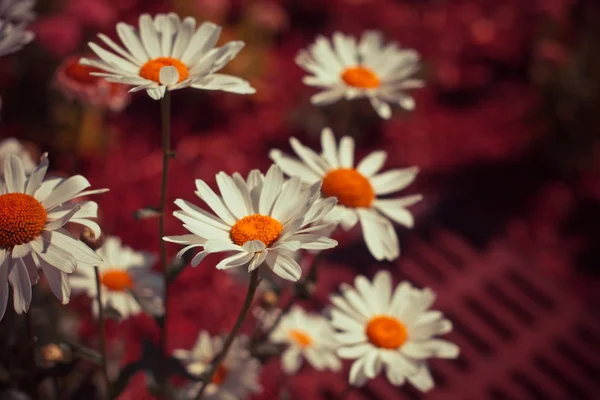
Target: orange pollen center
x=117 y=280
x=151 y=70
x=220 y=375
x=256 y=227
x=360 y=77
x=22 y=219
x=349 y=186
x=386 y=332
x=300 y=337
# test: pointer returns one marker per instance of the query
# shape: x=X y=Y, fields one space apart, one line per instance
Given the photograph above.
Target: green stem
x=102 y=323
x=254 y=281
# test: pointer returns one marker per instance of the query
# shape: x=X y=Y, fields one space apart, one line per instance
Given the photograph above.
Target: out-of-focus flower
x=263 y=219
x=13 y=37
x=53 y=353
x=32 y=214
x=356 y=189
x=60 y=34
x=236 y=377
x=13 y=146
x=17 y=11
x=351 y=70
x=268 y=15
x=75 y=81
x=394 y=330
x=123 y=273
x=168 y=54
x=309 y=336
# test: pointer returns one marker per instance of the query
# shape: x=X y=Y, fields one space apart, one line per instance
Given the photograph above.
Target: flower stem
x=254 y=281
x=102 y=323
x=344 y=393
x=33 y=364
x=165 y=114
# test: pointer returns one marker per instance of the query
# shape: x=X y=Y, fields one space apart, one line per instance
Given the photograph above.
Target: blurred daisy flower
x=308 y=336
x=123 y=273
x=261 y=219
x=33 y=212
x=357 y=189
x=13 y=37
x=237 y=376
x=13 y=146
x=351 y=70
x=168 y=54
x=17 y=11
x=76 y=82
x=391 y=329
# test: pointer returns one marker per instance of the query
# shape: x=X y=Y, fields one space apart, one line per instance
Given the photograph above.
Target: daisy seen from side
x=308 y=336
x=168 y=54
x=123 y=273
x=33 y=213
x=13 y=146
x=346 y=68
x=357 y=189
x=17 y=11
x=236 y=378
x=392 y=329
x=13 y=37
x=264 y=219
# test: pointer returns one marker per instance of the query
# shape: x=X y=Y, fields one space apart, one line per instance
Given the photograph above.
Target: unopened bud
x=269 y=299
x=53 y=353
x=88 y=237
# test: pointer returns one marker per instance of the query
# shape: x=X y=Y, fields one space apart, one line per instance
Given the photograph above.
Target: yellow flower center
x=360 y=77
x=386 y=332
x=151 y=70
x=300 y=337
x=256 y=227
x=117 y=280
x=22 y=219
x=220 y=375
x=349 y=186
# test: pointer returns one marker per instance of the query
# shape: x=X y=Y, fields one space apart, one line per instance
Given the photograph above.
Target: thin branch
x=102 y=323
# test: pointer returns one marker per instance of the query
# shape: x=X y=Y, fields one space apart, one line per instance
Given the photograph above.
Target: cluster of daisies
x=261 y=222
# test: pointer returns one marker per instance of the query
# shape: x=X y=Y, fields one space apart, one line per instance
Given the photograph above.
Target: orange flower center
x=300 y=337
x=386 y=332
x=256 y=227
x=360 y=77
x=151 y=70
x=220 y=375
x=349 y=186
x=117 y=280
x=22 y=219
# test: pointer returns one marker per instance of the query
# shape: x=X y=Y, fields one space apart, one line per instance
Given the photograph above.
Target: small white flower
x=33 y=212
x=237 y=376
x=394 y=330
x=347 y=69
x=168 y=54
x=17 y=11
x=123 y=271
x=263 y=219
x=13 y=146
x=356 y=189
x=308 y=336
x=13 y=37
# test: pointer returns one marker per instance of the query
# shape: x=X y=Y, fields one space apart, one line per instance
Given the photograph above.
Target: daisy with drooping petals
x=237 y=376
x=168 y=54
x=390 y=329
x=123 y=271
x=33 y=212
x=350 y=70
x=356 y=189
x=13 y=37
x=308 y=336
x=75 y=81
x=13 y=146
x=17 y=11
x=263 y=219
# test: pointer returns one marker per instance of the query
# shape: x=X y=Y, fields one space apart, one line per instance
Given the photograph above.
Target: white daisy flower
x=237 y=376
x=356 y=189
x=394 y=330
x=33 y=212
x=123 y=271
x=17 y=11
x=13 y=37
x=347 y=69
x=168 y=54
x=308 y=336
x=13 y=146
x=263 y=219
